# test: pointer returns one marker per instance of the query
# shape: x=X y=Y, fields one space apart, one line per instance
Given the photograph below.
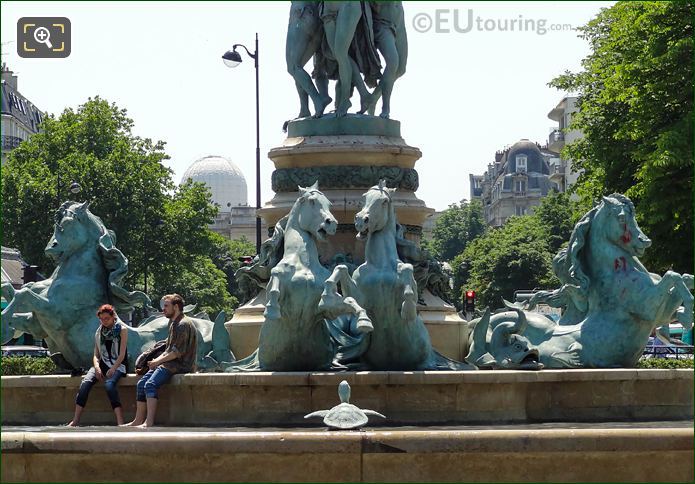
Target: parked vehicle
x=32 y=351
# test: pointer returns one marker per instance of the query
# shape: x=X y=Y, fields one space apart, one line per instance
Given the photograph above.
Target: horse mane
x=568 y=264
x=115 y=262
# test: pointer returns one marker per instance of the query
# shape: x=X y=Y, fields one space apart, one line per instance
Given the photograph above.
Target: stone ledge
x=435 y=398
x=373 y=377
x=602 y=452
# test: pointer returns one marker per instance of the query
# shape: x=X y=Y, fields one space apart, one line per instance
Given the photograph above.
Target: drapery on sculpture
x=90 y=270
x=345 y=39
x=611 y=302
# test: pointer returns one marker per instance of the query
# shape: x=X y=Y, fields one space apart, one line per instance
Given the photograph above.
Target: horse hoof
x=408 y=311
x=271 y=313
x=364 y=325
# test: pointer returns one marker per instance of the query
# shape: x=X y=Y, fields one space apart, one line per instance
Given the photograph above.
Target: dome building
x=227 y=183
x=515 y=183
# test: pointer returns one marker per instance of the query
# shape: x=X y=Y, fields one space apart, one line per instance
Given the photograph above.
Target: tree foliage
x=161 y=228
x=456 y=228
x=636 y=114
x=518 y=255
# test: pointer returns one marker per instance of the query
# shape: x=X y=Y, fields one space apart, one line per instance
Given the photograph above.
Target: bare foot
x=143 y=426
x=322 y=105
x=72 y=423
x=367 y=102
x=132 y=424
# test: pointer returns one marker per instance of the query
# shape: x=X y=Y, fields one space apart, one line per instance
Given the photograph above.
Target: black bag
x=141 y=363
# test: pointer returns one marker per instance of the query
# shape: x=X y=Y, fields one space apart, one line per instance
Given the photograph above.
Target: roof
x=16 y=105
x=535 y=162
x=12 y=267
x=224 y=178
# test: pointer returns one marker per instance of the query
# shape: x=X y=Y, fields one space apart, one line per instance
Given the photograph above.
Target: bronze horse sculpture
x=90 y=269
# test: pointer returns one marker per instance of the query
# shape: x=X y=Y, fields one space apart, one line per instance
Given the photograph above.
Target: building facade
x=561 y=171
x=235 y=218
x=514 y=183
x=20 y=118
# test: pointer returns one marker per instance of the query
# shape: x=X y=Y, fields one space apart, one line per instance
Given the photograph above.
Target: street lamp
x=232 y=58
x=156 y=224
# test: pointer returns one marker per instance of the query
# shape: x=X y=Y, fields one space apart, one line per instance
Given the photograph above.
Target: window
x=521 y=163
x=520 y=186
x=520 y=210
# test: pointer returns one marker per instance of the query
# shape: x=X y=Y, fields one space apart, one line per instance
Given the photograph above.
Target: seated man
x=178 y=357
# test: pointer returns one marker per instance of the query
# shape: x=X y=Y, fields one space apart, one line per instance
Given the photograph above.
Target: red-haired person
x=111 y=340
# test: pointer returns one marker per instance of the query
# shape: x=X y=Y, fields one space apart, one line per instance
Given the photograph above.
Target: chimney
x=8 y=76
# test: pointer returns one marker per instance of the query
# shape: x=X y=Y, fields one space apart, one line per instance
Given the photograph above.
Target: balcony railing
x=10 y=142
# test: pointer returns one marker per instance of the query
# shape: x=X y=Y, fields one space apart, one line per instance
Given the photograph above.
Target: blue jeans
x=110 y=383
x=151 y=381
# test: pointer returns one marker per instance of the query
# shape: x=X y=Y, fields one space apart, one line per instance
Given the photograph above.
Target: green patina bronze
x=348 y=125
x=295 y=335
x=90 y=270
x=345 y=177
x=345 y=415
x=611 y=302
x=386 y=287
x=345 y=39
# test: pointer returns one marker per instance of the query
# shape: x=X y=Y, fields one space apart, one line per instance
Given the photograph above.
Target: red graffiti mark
x=627 y=235
x=620 y=263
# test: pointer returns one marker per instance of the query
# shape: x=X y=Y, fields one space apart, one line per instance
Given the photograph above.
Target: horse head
x=377 y=212
x=313 y=212
x=615 y=217
x=75 y=228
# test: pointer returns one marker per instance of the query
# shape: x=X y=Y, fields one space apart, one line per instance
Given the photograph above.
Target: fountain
x=342 y=295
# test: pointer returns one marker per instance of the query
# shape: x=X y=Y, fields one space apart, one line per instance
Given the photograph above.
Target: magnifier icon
x=43 y=36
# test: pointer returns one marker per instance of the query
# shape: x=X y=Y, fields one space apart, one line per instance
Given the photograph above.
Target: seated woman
x=110 y=344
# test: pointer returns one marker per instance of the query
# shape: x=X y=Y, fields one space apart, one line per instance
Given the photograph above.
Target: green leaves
x=161 y=228
x=455 y=228
x=635 y=111
x=518 y=255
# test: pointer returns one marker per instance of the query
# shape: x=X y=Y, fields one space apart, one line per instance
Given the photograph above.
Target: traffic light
x=470 y=301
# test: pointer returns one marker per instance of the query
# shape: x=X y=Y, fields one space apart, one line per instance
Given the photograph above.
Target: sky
x=470 y=88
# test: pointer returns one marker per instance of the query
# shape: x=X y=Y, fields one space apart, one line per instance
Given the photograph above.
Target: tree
x=161 y=228
x=121 y=174
x=518 y=255
x=225 y=255
x=198 y=282
x=515 y=256
x=636 y=114
x=557 y=214
x=456 y=228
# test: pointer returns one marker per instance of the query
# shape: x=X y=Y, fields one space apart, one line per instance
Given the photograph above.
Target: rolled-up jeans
x=151 y=381
x=109 y=383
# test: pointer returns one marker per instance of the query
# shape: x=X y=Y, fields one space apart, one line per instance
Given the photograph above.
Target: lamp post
x=74 y=188
x=232 y=58
x=156 y=224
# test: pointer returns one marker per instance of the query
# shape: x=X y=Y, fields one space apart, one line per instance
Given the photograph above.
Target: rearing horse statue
x=90 y=269
x=386 y=288
x=295 y=334
x=611 y=302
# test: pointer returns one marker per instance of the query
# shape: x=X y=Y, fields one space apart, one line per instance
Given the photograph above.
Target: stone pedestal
x=348 y=156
